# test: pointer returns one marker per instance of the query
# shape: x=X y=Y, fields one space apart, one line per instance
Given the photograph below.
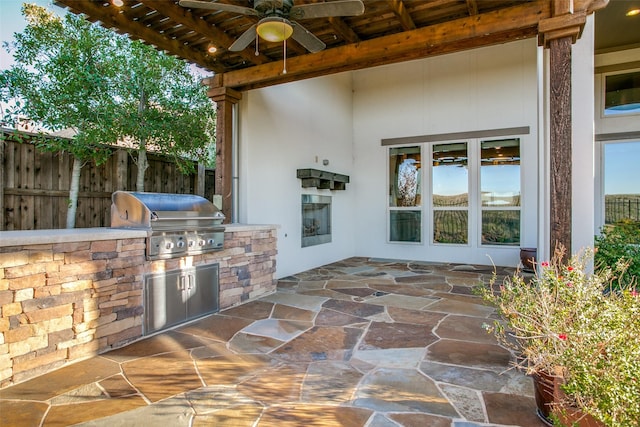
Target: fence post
x=200 y=178
x=122 y=169
x=3 y=146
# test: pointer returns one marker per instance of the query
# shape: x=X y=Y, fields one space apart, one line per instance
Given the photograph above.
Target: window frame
x=482 y=209
x=603 y=95
x=599 y=202
x=470 y=195
x=420 y=207
x=426 y=143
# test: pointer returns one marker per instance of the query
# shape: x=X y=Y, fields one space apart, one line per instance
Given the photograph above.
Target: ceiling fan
x=278 y=19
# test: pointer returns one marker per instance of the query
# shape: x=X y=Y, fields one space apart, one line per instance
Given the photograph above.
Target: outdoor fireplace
x=316 y=219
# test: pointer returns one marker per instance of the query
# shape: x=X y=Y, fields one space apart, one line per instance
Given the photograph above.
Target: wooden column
x=560 y=143
x=225 y=98
x=557 y=34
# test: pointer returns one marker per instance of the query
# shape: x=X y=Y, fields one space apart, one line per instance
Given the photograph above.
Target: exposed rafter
x=110 y=18
x=400 y=10
x=343 y=30
x=388 y=31
x=496 y=27
x=219 y=38
x=472 y=5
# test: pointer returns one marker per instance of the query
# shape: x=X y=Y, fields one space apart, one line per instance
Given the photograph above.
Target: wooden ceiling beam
x=438 y=3
x=472 y=6
x=480 y=30
x=343 y=30
x=120 y=23
x=220 y=39
x=400 y=10
x=427 y=51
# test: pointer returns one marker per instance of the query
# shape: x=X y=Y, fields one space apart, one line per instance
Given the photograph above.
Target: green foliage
x=162 y=106
x=71 y=74
x=61 y=80
x=620 y=242
x=569 y=319
x=602 y=365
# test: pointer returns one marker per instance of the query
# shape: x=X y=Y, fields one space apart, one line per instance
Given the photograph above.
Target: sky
x=12 y=21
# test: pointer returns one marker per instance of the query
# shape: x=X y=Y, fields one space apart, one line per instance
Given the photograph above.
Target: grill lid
x=161 y=210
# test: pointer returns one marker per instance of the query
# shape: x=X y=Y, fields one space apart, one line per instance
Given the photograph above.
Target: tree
x=107 y=88
x=162 y=106
x=62 y=79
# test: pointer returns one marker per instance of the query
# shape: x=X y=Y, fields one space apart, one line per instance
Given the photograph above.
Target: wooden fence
x=621 y=207
x=34 y=185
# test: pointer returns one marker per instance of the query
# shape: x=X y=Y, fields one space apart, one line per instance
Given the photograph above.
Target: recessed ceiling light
x=117 y=3
x=633 y=12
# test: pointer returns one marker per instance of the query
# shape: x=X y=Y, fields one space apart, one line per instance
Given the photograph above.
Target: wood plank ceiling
x=388 y=31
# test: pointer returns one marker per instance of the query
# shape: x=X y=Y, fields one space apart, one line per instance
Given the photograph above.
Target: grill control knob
x=180 y=244
x=210 y=242
x=169 y=245
x=201 y=242
x=191 y=243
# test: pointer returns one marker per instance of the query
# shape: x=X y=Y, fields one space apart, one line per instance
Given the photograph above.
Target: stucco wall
x=289 y=127
x=344 y=117
x=489 y=88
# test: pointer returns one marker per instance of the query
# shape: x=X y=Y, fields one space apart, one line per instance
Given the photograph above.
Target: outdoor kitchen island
x=69 y=294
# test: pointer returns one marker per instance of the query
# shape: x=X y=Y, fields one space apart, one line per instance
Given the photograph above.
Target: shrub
x=616 y=243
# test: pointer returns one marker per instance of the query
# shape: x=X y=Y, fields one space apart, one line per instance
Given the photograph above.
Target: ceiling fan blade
x=197 y=4
x=306 y=38
x=244 y=40
x=323 y=10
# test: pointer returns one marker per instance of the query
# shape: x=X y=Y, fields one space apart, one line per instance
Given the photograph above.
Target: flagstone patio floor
x=360 y=342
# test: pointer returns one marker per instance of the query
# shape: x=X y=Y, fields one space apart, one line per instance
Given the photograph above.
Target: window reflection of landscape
x=450 y=193
x=500 y=191
x=621 y=183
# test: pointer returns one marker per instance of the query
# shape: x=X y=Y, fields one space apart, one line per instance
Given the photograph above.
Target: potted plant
x=577 y=333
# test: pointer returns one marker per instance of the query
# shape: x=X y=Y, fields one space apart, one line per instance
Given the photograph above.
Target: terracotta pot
x=544 y=386
x=551 y=401
x=528 y=258
x=569 y=415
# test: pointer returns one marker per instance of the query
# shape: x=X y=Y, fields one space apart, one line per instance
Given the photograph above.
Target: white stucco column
x=583 y=153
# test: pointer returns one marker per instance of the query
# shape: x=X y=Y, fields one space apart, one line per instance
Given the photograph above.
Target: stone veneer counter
x=69 y=294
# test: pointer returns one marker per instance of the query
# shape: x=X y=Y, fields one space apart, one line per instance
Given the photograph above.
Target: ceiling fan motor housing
x=273 y=7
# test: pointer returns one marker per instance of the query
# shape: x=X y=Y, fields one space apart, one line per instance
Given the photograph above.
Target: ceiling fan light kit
x=274 y=29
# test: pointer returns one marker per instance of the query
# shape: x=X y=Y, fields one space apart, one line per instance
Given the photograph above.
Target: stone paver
x=357 y=343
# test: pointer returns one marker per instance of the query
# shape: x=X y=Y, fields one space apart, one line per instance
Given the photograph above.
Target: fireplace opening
x=316 y=220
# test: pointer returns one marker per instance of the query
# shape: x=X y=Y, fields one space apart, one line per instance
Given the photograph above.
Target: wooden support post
x=3 y=146
x=560 y=143
x=200 y=179
x=224 y=98
x=122 y=169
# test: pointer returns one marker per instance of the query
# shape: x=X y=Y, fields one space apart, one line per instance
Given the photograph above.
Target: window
x=621 y=93
x=500 y=191
x=621 y=183
x=473 y=193
x=450 y=193
x=405 y=194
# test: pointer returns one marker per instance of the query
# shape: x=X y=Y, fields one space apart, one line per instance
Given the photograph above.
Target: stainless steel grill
x=178 y=224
